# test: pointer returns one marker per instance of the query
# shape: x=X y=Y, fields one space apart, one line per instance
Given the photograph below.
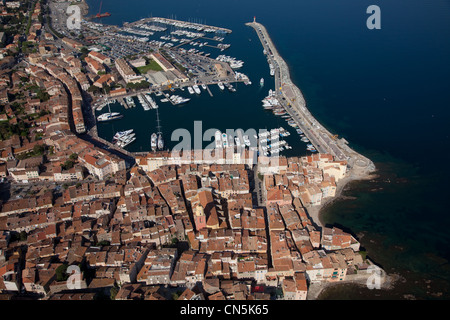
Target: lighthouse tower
x=254 y=18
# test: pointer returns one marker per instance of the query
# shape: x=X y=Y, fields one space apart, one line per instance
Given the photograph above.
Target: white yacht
x=109 y=116
x=153 y=141
x=246 y=141
x=160 y=141
x=218 y=139
x=121 y=134
x=196 y=89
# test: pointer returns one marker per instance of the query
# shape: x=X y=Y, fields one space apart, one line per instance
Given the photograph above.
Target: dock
x=191 y=25
x=209 y=91
x=186 y=42
x=123 y=102
x=294 y=103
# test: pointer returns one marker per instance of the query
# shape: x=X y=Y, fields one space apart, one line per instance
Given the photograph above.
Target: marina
x=175 y=94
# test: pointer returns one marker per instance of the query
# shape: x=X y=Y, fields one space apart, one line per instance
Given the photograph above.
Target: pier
x=186 y=42
x=209 y=91
x=294 y=103
x=123 y=103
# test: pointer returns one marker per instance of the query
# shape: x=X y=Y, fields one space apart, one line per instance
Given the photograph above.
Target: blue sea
x=385 y=91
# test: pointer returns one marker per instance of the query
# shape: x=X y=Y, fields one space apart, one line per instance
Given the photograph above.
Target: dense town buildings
x=186 y=222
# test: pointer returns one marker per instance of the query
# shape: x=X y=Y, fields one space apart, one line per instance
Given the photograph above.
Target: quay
x=186 y=42
x=195 y=39
x=193 y=25
x=122 y=102
x=292 y=100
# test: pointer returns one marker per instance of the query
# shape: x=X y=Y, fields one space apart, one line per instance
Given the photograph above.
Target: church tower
x=199 y=217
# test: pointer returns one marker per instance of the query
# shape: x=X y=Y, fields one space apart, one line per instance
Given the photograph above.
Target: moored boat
x=160 y=141
x=153 y=141
x=121 y=134
x=109 y=116
x=196 y=89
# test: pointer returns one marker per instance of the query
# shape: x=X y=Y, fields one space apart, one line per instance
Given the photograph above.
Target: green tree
x=23 y=236
x=38 y=149
x=68 y=164
x=61 y=273
x=113 y=292
x=103 y=243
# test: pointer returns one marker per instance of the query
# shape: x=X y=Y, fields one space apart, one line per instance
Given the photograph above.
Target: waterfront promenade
x=294 y=103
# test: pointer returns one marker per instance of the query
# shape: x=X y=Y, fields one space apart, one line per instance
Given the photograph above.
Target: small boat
x=218 y=139
x=121 y=134
x=153 y=141
x=221 y=86
x=127 y=137
x=230 y=87
x=125 y=143
x=160 y=142
x=196 y=89
x=261 y=82
x=238 y=141
x=246 y=141
x=191 y=91
x=109 y=116
x=130 y=102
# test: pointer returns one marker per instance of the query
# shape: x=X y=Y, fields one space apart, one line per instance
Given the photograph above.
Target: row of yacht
x=124 y=138
x=272 y=103
x=223 y=140
x=175 y=99
x=227 y=85
x=194 y=89
x=130 y=102
x=147 y=102
x=156 y=141
x=269 y=142
x=233 y=62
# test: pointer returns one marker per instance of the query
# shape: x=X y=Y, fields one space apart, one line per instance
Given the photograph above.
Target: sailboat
x=153 y=141
x=160 y=141
x=109 y=115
